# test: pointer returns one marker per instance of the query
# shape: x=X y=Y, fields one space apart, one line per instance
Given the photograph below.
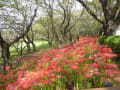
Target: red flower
x=111 y=66
x=58 y=76
x=107 y=56
x=73 y=67
x=110 y=73
x=45 y=82
x=95 y=65
x=27 y=84
x=107 y=80
x=107 y=50
x=58 y=69
x=106 y=46
x=88 y=75
x=84 y=70
x=8 y=68
x=65 y=73
x=52 y=79
x=79 y=73
x=117 y=79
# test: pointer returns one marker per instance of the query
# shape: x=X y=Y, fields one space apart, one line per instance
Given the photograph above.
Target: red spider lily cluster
x=83 y=65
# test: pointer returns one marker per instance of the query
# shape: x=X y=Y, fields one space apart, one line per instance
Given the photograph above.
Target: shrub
x=102 y=39
x=114 y=43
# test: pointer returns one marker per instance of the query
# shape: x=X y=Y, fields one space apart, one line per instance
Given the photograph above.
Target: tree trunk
x=109 y=29
x=32 y=40
x=5 y=56
x=5 y=53
x=50 y=43
x=60 y=44
x=28 y=47
x=34 y=47
x=27 y=44
x=71 y=38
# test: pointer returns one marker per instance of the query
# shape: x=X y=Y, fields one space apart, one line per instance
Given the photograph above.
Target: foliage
x=85 y=64
x=102 y=39
x=39 y=45
x=114 y=43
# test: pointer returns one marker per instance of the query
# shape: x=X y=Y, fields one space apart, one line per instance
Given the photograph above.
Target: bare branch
x=90 y=11
x=27 y=28
x=115 y=9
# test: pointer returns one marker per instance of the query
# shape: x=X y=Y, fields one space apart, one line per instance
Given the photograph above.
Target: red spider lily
x=58 y=76
x=107 y=50
x=32 y=75
x=45 y=82
x=87 y=65
x=52 y=79
x=79 y=73
x=98 y=73
x=107 y=55
x=10 y=87
x=106 y=46
x=3 y=85
x=84 y=70
x=93 y=69
x=27 y=84
x=91 y=58
x=66 y=73
x=111 y=66
x=117 y=79
x=8 y=68
x=88 y=75
x=82 y=60
x=98 y=59
x=68 y=61
x=107 y=80
x=58 y=69
x=52 y=75
x=110 y=73
x=95 y=65
x=55 y=64
x=74 y=67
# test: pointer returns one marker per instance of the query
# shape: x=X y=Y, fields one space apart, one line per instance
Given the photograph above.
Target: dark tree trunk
x=71 y=38
x=4 y=58
x=50 y=43
x=109 y=29
x=32 y=40
x=28 y=47
x=27 y=43
x=5 y=55
x=34 y=47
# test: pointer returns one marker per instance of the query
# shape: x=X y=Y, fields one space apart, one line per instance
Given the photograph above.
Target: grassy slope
x=41 y=46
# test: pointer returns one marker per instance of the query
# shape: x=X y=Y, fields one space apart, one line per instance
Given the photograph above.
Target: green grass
x=40 y=46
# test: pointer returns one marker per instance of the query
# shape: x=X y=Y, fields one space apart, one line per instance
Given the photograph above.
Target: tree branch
x=115 y=9
x=90 y=11
x=27 y=28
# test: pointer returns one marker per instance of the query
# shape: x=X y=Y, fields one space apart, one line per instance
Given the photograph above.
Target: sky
x=118 y=31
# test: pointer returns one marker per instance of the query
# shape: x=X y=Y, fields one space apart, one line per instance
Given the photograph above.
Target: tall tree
x=11 y=21
x=60 y=13
x=45 y=30
x=111 y=12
